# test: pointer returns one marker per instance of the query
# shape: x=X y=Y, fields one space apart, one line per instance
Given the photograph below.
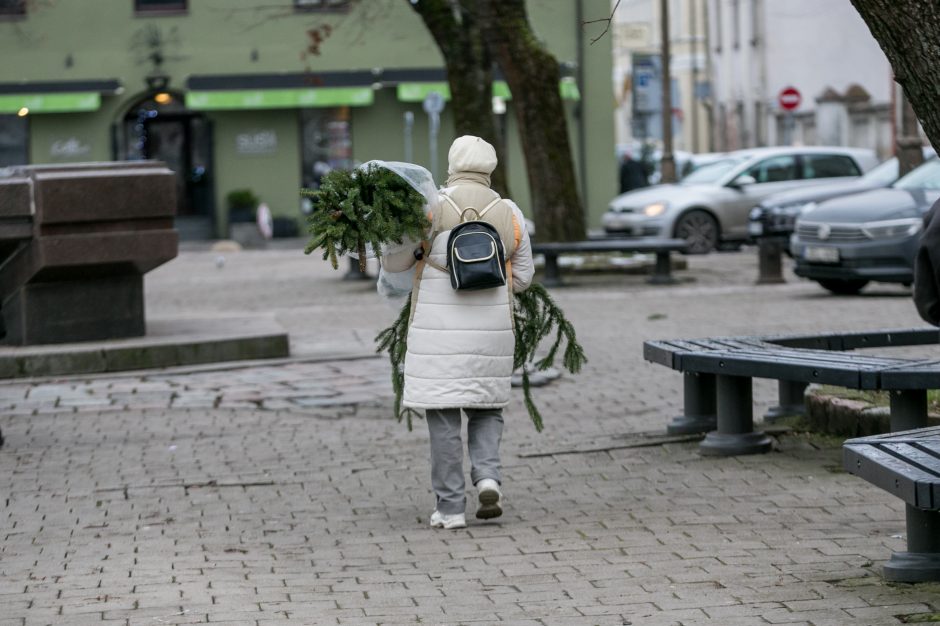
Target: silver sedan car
x=710 y=206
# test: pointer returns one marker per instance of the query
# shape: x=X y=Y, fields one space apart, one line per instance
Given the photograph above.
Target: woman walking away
x=461 y=342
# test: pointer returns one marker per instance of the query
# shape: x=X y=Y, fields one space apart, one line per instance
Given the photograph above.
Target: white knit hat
x=471 y=154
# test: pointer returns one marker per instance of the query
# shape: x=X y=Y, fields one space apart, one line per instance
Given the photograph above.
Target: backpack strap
x=490 y=206
x=426 y=257
x=462 y=212
x=453 y=204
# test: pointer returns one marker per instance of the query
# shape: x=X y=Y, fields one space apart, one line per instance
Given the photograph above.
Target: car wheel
x=699 y=229
x=842 y=287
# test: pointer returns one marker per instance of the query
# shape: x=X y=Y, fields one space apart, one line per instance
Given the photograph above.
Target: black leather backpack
x=476 y=257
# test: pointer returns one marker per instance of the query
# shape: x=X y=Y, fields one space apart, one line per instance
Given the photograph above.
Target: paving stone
x=285 y=493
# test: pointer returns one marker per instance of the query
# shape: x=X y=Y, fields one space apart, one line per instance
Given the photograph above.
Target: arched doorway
x=160 y=127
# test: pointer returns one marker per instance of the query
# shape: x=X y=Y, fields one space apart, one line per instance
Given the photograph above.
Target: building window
x=159 y=6
x=326 y=143
x=12 y=7
x=735 y=24
x=321 y=5
x=756 y=17
x=719 y=32
x=14 y=140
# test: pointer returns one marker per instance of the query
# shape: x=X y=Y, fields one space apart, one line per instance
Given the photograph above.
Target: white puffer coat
x=460 y=343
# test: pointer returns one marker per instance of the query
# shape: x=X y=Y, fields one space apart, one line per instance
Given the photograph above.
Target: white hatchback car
x=711 y=205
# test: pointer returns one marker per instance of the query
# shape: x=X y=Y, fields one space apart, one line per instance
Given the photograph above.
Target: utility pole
x=693 y=23
x=668 y=164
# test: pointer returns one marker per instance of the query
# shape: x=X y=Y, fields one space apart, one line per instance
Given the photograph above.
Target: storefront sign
x=417 y=92
x=49 y=102
x=70 y=148
x=256 y=142
x=278 y=98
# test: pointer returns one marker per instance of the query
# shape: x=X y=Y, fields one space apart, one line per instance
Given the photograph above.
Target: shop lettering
x=260 y=142
x=69 y=148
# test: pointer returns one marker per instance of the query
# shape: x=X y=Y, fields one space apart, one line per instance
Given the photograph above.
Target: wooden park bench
x=662 y=271
x=75 y=242
x=718 y=373
x=906 y=464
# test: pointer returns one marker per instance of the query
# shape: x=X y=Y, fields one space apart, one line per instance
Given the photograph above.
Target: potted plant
x=242 y=204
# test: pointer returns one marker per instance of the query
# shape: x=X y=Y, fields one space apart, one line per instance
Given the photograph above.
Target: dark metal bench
x=906 y=464
x=717 y=375
x=662 y=272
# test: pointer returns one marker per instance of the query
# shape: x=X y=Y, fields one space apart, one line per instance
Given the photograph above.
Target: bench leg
x=790 y=399
x=662 y=271
x=735 y=434
x=908 y=409
x=551 y=277
x=921 y=562
x=698 y=404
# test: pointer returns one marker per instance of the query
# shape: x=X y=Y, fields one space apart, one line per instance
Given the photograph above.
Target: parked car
x=651 y=158
x=776 y=214
x=711 y=205
x=845 y=243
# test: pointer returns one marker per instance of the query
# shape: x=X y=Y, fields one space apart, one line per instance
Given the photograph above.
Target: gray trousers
x=484 y=431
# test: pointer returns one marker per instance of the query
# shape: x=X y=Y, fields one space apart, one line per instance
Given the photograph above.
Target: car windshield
x=712 y=172
x=927 y=176
x=884 y=173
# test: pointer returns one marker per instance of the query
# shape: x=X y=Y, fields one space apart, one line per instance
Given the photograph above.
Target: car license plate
x=755 y=229
x=821 y=255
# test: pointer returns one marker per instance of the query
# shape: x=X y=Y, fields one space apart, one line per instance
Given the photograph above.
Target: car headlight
x=892 y=228
x=652 y=210
x=756 y=214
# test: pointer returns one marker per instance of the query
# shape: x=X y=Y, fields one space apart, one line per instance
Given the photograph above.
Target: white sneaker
x=490 y=499
x=448 y=522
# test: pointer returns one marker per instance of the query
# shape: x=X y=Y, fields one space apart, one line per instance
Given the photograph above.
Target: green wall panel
x=273 y=174
x=96 y=39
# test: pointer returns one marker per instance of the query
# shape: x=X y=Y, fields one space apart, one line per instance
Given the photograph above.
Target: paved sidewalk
x=284 y=492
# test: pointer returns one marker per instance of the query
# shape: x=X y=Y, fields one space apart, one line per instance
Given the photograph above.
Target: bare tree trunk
x=909 y=146
x=455 y=28
x=907 y=31
x=533 y=75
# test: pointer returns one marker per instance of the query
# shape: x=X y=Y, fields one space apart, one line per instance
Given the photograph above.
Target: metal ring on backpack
x=464 y=212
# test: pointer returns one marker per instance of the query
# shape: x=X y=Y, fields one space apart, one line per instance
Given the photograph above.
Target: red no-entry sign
x=789 y=98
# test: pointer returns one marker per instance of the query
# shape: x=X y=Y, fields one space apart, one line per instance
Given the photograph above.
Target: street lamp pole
x=668 y=165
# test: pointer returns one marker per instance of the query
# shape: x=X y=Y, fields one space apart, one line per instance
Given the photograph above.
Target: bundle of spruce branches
x=535 y=316
x=367 y=207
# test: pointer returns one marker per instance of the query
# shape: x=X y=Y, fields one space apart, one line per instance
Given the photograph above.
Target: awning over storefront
x=50 y=102
x=55 y=96
x=249 y=99
x=417 y=92
x=280 y=90
x=328 y=88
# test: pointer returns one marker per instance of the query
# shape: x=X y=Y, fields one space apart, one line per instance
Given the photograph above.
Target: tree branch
x=609 y=20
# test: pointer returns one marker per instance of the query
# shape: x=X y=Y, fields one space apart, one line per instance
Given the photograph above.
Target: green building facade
x=266 y=96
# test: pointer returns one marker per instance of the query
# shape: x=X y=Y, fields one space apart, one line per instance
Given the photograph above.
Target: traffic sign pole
x=789 y=100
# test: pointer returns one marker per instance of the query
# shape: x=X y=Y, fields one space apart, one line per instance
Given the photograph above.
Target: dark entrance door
x=161 y=129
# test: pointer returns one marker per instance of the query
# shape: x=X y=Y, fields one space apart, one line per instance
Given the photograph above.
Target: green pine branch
x=535 y=316
x=363 y=209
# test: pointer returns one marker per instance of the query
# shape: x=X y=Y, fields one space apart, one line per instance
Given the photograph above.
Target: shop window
x=12 y=7
x=321 y=5
x=14 y=140
x=159 y=6
x=326 y=143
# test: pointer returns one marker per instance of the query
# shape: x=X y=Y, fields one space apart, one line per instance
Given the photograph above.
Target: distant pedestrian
x=632 y=174
x=927 y=269
x=460 y=343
